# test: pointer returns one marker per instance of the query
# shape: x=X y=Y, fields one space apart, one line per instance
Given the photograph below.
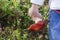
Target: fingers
x=30 y=12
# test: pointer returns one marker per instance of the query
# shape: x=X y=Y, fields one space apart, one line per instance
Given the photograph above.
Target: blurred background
x=14 y=20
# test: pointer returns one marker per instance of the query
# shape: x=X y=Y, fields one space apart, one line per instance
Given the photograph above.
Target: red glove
x=37 y=26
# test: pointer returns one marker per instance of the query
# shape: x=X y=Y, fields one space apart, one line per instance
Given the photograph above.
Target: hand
x=34 y=12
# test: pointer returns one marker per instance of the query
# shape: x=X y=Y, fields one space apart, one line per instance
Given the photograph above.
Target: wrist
x=34 y=5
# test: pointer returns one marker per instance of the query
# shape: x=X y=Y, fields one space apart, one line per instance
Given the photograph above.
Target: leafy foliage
x=14 y=20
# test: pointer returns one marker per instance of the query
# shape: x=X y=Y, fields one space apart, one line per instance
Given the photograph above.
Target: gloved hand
x=34 y=12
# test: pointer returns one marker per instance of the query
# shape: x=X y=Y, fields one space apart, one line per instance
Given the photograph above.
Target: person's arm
x=34 y=11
